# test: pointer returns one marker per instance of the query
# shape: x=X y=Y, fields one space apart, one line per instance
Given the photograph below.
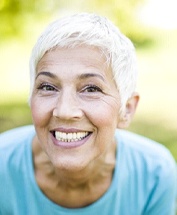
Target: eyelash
x=89 y=88
x=93 y=88
x=44 y=86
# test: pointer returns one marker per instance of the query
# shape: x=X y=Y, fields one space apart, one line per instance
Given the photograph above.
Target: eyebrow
x=48 y=74
x=82 y=76
x=89 y=75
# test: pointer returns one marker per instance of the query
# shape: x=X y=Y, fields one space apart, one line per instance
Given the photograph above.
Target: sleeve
x=162 y=198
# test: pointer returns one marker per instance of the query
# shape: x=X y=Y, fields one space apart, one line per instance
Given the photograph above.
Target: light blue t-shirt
x=144 y=180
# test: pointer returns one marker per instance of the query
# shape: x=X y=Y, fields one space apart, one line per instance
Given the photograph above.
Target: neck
x=98 y=170
x=94 y=180
x=100 y=167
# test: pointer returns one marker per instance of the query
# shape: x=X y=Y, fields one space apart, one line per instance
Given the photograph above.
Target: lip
x=69 y=145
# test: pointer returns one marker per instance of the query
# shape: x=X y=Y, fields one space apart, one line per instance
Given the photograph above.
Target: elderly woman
x=77 y=160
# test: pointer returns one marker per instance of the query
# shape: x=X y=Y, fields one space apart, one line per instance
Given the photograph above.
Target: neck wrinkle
x=99 y=170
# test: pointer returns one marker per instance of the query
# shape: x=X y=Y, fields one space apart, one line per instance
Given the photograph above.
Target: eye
x=92 y=89
x=47 y=87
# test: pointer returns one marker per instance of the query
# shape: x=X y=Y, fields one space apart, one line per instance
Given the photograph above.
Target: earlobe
x=129 y=112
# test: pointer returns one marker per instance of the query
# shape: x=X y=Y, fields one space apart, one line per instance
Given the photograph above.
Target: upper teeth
x=70 y=137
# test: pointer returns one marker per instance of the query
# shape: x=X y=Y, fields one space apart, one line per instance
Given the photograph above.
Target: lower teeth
x=63 y=140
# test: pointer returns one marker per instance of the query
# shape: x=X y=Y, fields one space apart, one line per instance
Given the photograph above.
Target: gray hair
x=97 y=31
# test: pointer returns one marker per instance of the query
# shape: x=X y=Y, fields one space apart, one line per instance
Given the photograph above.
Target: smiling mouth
x=70 y=137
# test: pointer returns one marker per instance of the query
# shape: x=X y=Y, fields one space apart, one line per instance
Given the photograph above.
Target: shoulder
x=145 y=153
x=14 y=140
x=15 y=163
x=16 y=134
x=150 y=168
x=142 y=145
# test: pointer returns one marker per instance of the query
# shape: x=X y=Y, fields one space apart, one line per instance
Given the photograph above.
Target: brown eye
x=92 y=89
x=46 y=87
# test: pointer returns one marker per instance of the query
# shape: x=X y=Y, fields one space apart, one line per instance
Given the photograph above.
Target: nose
x=68 y=107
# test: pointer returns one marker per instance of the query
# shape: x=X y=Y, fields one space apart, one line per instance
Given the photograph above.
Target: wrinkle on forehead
x=66 y=53
x=95 y=60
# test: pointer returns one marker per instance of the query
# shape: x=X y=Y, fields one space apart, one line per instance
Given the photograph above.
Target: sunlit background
x=150 y=24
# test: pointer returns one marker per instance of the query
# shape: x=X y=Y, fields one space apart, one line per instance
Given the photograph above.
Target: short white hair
x=96 y=31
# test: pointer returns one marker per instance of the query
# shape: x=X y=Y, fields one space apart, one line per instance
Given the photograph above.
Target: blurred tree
x=124 y=14
x=17 y=15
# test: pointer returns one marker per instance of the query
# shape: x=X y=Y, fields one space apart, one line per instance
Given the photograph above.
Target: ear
x=129 y=112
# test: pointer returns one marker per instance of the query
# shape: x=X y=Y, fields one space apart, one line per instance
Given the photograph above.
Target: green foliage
x=155 y=130
x=124 y=15
x=13 y=115
x=17 y=15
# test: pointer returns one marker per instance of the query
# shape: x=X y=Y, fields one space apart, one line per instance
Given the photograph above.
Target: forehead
x=81 y=57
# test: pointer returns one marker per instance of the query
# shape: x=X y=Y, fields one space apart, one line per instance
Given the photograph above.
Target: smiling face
x=75 y=106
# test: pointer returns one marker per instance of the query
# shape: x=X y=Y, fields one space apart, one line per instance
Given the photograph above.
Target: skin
x=74 y=91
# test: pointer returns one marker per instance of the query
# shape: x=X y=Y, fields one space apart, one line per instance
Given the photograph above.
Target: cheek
x=103 y=114
x=40 y=112
x=104 y=118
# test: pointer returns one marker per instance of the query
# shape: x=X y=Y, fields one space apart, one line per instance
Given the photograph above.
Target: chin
x=70 y=165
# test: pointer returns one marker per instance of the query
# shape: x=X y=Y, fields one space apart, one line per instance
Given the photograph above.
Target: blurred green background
x=150 y=24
